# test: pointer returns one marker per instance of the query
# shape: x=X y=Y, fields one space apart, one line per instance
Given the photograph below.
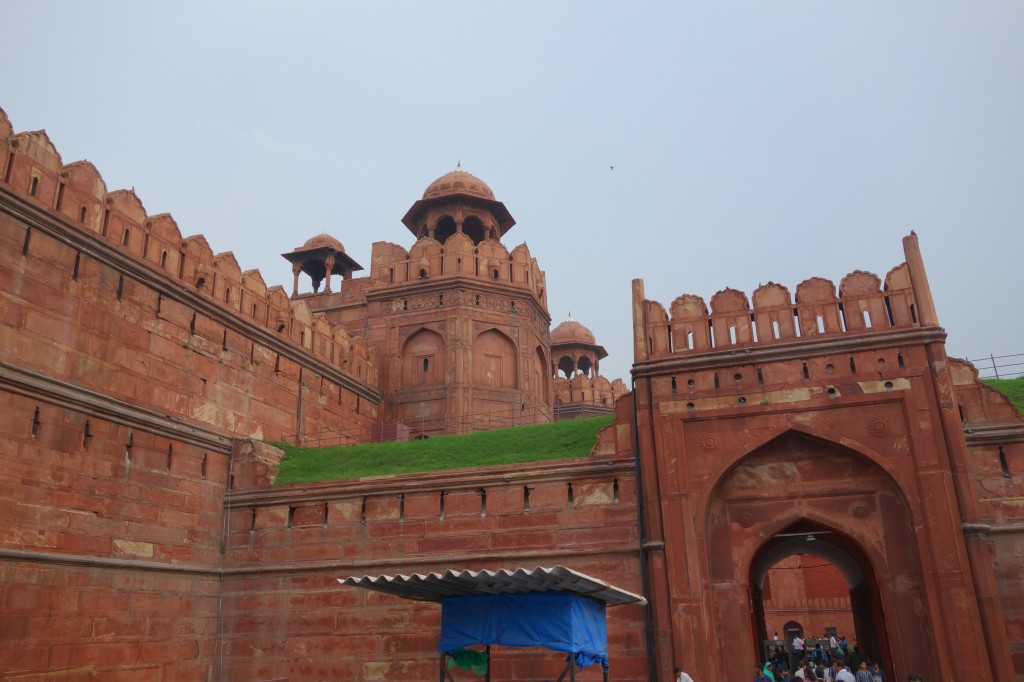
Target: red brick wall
x=286 y=616
x=130 y=360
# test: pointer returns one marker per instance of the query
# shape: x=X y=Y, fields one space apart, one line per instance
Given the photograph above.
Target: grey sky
x=751 y=142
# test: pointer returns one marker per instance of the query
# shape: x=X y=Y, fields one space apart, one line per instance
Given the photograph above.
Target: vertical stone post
x=296 y=269
x=328 y=266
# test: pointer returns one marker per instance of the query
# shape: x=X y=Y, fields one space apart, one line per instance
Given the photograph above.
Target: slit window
x=821 y=324
x=1004 y=465
x=867 y=319
x=34 y=187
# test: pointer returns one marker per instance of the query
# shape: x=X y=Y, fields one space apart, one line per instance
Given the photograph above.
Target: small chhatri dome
x=458 y=181
x=571 y=331
x=320 y=241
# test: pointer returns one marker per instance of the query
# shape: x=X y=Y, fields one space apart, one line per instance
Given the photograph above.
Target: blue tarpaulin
x=556 y=620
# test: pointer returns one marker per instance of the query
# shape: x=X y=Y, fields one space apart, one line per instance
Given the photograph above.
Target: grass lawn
x=1012 y=389
x=557 y=440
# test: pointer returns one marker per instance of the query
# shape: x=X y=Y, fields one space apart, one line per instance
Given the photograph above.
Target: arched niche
x=494 y=360
x=540 y=376
x=423 y=359
x=567 y=366
x=474 y=228
x=444 y=227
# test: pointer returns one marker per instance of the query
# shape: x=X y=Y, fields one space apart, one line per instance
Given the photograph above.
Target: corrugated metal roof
x=437 y=586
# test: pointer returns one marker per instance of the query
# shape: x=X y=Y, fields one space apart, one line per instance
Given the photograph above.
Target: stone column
x=296 y=269
x=328 y=266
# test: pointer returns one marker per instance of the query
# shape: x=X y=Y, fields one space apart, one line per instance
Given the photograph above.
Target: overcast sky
x=750 y=142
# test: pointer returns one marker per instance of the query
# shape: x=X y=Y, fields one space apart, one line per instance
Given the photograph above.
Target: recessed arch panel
x=494 y=360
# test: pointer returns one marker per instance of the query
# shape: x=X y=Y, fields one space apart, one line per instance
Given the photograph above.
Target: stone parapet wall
x=72 y=199
x=287 y=617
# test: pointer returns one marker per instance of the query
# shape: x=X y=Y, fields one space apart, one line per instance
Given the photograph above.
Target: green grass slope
x=557 y=440
x=1012 y=389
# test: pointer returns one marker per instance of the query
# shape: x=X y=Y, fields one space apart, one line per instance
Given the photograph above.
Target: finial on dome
x=458 y=166
x=569 y=318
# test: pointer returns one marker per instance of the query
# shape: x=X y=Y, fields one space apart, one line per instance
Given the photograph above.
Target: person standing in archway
x=841 y=673
x=863 y=674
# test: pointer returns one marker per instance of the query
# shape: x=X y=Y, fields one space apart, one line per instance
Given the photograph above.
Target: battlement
x=458 y=256
x=863 y=304
x=32 y=168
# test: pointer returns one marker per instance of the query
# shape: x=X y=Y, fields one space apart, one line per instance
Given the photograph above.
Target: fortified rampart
x=144 y=541
x=830 y=423
x=286 y=617
x=132 y=362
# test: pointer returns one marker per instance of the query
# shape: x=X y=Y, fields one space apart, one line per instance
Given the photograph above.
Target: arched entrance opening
x=761 y=510
x=824 y=584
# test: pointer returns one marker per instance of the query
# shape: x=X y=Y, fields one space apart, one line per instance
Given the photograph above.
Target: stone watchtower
x=581 y=391
x=458 y=323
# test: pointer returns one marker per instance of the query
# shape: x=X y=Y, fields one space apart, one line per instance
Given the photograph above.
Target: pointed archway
x=802 y=483
x=809 y=538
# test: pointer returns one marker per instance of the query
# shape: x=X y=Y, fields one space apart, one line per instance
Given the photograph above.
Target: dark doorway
x=821 y=545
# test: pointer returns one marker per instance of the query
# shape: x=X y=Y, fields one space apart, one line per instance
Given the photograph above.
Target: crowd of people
x=828 y=659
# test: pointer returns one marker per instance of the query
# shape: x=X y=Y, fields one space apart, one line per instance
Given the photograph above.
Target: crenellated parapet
x=861 y=304
x=457 y=257
x=32 y=168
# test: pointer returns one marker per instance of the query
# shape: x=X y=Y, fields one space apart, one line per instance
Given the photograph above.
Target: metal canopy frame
x=435 y=587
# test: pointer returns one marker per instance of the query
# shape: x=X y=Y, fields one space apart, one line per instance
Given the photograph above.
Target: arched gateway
x=786 y=425
x=801 y=494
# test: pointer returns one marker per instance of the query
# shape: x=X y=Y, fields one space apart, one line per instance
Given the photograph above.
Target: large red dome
x=458 y=181
x=571 y=331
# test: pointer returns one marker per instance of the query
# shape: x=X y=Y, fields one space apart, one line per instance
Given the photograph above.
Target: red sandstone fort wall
x=131 y=360
x=861 y=370
x=287 y=617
